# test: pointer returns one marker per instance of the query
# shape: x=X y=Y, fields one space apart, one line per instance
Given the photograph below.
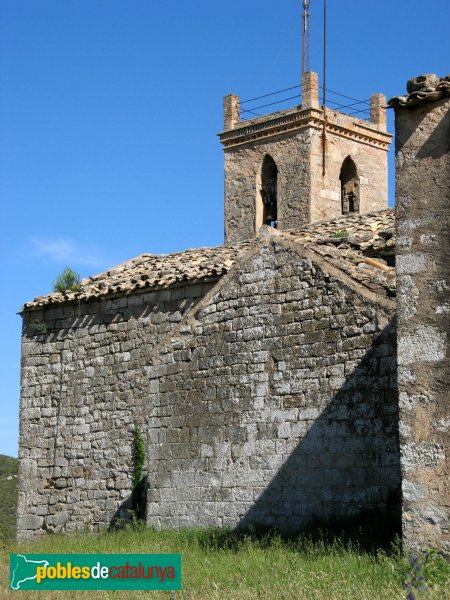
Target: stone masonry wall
x=291 y=153
x=423 y=275
x=275 y=402
x=83 y=385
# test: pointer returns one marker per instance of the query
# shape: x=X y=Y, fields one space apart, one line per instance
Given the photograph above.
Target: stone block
x=30 y=521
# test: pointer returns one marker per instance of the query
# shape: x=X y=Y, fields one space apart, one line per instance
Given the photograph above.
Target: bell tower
x=304 y=164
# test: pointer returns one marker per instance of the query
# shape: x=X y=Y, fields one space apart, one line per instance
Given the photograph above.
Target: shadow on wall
x=438 y=143
x=132 y=509
x=86 y=315
x=347 y=467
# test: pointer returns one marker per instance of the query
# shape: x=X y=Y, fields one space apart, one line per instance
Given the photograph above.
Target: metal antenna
x=306 y=42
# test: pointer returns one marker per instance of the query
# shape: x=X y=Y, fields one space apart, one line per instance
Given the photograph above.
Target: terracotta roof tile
x=346 y=243
x=151 y=271
x=357 y=245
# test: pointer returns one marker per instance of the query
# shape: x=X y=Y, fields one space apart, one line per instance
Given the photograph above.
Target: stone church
x=265 y=374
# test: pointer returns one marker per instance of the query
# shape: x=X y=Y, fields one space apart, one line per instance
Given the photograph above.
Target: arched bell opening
x=349 y=187
x=269 y=176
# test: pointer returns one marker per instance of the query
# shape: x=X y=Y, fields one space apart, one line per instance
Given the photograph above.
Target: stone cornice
x=293 y=120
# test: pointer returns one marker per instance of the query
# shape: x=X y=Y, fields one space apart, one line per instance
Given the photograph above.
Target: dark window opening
x=349 y=187
x=269 y=176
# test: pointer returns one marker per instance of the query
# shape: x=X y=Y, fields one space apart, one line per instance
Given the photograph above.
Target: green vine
x=138 y=456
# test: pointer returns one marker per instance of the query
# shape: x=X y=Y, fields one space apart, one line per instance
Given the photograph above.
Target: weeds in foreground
x=220 y=564
x=423 y=568
x=415 y=584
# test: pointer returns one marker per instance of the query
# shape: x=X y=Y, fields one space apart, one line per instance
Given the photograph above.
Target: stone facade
x=84 y=376
x=423 y=271
x=308 y=189
x=267 y=360
x=264 y=373
x=275 y=401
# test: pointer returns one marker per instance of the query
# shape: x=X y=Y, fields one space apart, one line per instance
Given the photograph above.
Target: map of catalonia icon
x=23 y=569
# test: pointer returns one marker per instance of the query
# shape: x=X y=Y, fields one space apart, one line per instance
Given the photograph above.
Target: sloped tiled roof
x=356 y=245
x=341 y=242
x=151 y=271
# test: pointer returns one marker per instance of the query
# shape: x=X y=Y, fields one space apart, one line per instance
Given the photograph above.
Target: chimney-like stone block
x=378 y=111
x=310 y=90
x=231 y=111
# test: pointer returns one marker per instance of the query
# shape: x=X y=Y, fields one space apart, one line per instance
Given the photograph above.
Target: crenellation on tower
x=310 y=90
x=231 y=111
x=378 y=111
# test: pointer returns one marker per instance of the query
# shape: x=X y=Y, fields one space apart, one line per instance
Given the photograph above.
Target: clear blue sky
x=108 y=116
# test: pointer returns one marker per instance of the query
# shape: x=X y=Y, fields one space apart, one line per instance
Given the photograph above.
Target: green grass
x=221 y=564
x=8 y=497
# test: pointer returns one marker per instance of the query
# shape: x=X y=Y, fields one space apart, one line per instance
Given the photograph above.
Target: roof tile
x=344 y=242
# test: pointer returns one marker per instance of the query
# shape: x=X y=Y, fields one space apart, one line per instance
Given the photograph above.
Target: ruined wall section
x=423 y=276
x=276 y=403
x=291 y=153
x=84 y=382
